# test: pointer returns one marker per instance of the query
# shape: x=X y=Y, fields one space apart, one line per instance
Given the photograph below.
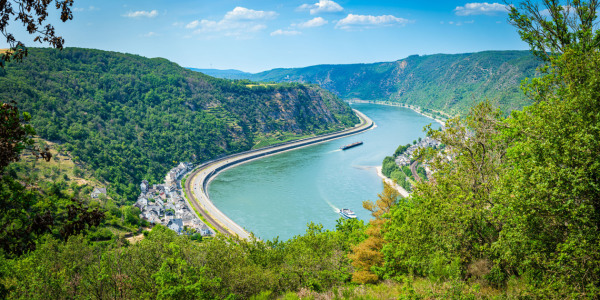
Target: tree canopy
x=33 y=15
x=556 y=26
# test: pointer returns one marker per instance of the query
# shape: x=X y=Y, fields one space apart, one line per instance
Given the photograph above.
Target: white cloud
x=242 y=13
x=239 y=22
x=316 y=22
x=367 y=21
x=323 y=6
x=484 y=8
x=150 y=34
x=192 y=24
x=79 y=9
x=285 y=32
x=142 y=13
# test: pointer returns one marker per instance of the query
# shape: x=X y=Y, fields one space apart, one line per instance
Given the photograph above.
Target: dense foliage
x=130 y=118
x=449 y=83
x=14 y=133
x=401 y=175
x=34 y=209
x=519 y=197
x=515 y=202
x=167 y=266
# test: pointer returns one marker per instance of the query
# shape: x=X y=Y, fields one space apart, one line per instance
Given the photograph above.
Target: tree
x=551 y=200
x=33 y=14
x=447 y=222
x=15 y=135
x=366 y=256
x=557 y=27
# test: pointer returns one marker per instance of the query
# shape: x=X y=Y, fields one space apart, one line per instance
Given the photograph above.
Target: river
x=277 y=196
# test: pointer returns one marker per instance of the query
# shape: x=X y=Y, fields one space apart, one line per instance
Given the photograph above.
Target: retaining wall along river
x=196 y=188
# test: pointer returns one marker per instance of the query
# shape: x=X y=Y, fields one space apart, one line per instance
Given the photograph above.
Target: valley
x=450 y=83
x=468 y=175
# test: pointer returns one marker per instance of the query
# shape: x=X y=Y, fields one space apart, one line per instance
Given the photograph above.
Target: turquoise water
x=278 y=195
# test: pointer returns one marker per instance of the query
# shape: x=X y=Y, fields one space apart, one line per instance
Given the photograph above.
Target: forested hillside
x=448 y=82
x=130 y=118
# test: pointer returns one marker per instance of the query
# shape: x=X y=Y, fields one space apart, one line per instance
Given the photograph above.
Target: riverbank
x=200 y=178
x=414 y=108
x=391 y=183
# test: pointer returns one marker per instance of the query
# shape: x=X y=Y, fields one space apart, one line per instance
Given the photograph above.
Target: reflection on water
x=280 y=194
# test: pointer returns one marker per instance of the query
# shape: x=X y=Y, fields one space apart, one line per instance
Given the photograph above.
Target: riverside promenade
x=198 y=180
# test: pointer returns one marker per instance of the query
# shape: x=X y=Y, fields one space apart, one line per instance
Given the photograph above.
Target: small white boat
x=347 y=213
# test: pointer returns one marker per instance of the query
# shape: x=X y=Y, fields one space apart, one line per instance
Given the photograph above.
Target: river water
x=277 y=196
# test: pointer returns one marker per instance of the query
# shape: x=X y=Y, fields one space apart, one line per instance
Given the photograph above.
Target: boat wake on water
x=335 y=209
x=336 y=150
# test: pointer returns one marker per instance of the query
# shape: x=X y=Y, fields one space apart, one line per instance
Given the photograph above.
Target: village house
x=205 y=231
x=97 y=192
x=176 y=225
x=144 y=186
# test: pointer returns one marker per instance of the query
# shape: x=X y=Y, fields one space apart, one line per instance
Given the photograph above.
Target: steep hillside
x=128 y=117
x=451 y=83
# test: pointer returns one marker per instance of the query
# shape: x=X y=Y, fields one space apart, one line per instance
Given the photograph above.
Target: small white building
x=97 y=192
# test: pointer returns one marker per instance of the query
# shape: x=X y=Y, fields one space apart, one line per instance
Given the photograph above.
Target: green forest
x=128 y=118
x=510 y=211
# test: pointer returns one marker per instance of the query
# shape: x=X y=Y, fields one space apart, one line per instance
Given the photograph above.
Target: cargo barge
x=351 y=145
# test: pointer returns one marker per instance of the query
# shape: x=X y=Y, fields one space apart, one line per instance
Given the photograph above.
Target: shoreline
x=414 y=108
x=391 y=183
x=201 y=176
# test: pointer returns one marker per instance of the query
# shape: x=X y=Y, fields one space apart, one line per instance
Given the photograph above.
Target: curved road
x=198 y=180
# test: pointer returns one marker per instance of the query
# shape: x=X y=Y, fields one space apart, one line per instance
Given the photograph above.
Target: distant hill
x=447 y=82
x=225 y=74
x=130 y=118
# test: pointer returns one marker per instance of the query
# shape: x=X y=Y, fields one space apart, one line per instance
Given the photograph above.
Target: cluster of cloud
x=459 y=23
x=239 y=22
x=366 y=21
x=316 y=22
x=323 y=6
x=242 y=22
x=471 y=9
x=79 y=9
x=142 y=13
x=350 y=22
x=285 y=32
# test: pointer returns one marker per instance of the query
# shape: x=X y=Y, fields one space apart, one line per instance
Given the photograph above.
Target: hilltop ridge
x=447 y=82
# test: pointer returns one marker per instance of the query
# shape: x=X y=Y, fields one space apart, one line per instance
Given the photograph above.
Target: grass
x=282 y=137
x=279 y=137
x=60 y=167
x=413 y=288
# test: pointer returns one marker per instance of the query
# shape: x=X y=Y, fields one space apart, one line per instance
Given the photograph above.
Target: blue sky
x=253 y=36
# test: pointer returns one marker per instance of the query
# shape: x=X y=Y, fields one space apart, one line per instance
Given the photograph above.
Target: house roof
x=177 y=222
x=99 y=190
